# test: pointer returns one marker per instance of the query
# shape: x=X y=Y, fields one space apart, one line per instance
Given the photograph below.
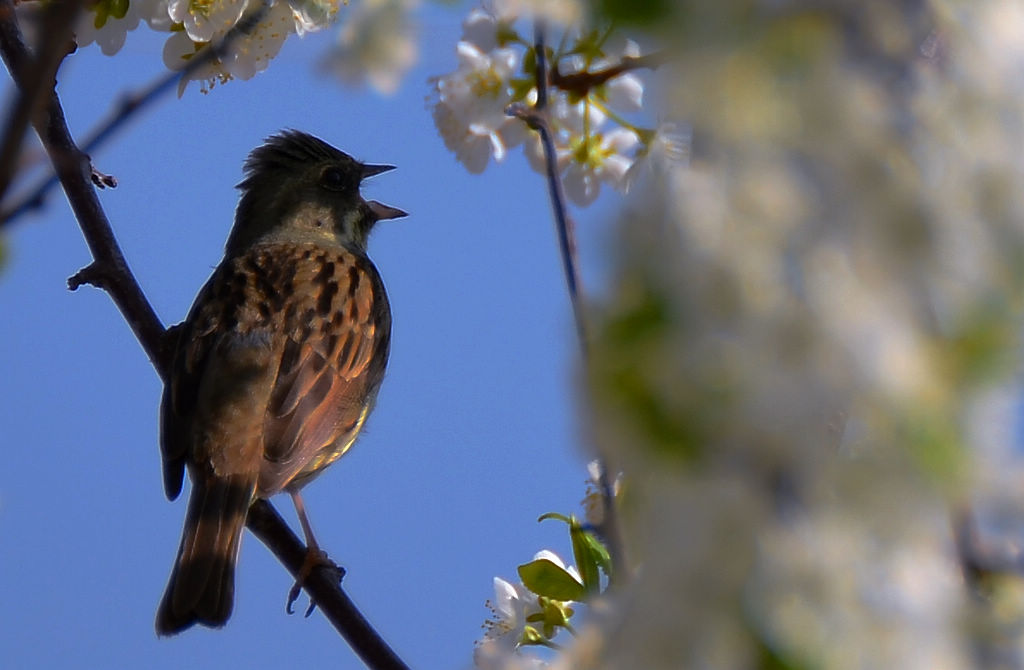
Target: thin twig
x=110 y=271
x=129 y=105
x=55 y=38
x=537 y=118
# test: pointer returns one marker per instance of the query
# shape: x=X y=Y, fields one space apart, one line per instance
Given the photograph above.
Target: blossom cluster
x=195 y=26
x=533 y=613
x=595 y=144
x=522 y=618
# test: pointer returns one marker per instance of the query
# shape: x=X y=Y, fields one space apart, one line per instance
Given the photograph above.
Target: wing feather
x=327 y=375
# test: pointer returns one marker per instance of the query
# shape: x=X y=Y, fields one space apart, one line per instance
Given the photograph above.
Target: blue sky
x=476 y=431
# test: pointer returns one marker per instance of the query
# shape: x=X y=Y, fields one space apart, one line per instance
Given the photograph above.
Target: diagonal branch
x=270 y=528
x=109 y=271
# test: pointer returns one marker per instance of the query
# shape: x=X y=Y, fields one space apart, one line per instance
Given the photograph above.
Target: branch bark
x=110 y=272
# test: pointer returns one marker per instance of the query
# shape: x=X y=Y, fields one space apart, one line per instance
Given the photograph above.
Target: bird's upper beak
x=380 y=210
x=372 y=170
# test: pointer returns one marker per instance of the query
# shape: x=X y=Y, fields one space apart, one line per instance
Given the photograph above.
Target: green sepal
x=506 y=35
x=532 y=636
x=554 y=614
x=521 y=88
x=530 y=63
x=102 y=13
x=548 y=579
x=118 y=8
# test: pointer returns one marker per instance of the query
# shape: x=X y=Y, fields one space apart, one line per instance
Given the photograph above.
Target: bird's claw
x=315 y=559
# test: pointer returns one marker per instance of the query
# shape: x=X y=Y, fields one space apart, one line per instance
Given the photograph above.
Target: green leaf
x=590 y=555
x=636 y=12
x=600 y=553
x=586 y=563
x=548 y=579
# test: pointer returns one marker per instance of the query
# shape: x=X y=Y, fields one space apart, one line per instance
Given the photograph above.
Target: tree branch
x=110 y=271
x=266 y=524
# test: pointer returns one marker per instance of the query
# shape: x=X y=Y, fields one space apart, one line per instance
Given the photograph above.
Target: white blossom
x=471 y=103
x=512 y=604
x=107 y=24
x=601 y=158
x=203 y=20
x=155 y=13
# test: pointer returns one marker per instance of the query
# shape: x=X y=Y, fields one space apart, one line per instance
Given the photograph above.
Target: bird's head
x=298 y=188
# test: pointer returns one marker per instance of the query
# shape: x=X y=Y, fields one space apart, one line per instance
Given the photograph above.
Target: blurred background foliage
x=806 y=359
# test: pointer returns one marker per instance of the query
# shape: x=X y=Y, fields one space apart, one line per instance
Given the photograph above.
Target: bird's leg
x=315 y=556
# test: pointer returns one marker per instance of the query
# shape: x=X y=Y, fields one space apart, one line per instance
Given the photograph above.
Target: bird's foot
x=315 y=559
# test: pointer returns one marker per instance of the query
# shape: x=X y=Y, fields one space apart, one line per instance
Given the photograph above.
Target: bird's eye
x=333 y=179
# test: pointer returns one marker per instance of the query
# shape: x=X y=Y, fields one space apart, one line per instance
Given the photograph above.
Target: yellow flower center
x=486 y=84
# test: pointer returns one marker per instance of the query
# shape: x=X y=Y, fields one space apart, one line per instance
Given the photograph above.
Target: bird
x=278 y=363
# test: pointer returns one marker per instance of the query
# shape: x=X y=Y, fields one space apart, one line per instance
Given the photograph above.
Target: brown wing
x=224 y=310
x=334 y=346
x=177 y=407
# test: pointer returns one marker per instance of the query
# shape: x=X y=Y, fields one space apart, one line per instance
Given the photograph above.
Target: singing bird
x=278 y=363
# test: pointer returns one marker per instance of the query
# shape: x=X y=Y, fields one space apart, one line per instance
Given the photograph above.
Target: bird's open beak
x=372 y=170
x=382 y=211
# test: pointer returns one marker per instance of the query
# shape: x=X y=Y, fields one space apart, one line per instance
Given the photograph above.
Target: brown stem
x=110 y=271
x=537 y=118
x=580 y=83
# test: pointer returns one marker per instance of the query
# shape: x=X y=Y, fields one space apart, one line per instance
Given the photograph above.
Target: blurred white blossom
x=155 y=13
x=313 y=15
x=559 y=12
x=376 y=44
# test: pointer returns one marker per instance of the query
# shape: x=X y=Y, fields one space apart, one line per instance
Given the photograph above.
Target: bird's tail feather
x=202 y=585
